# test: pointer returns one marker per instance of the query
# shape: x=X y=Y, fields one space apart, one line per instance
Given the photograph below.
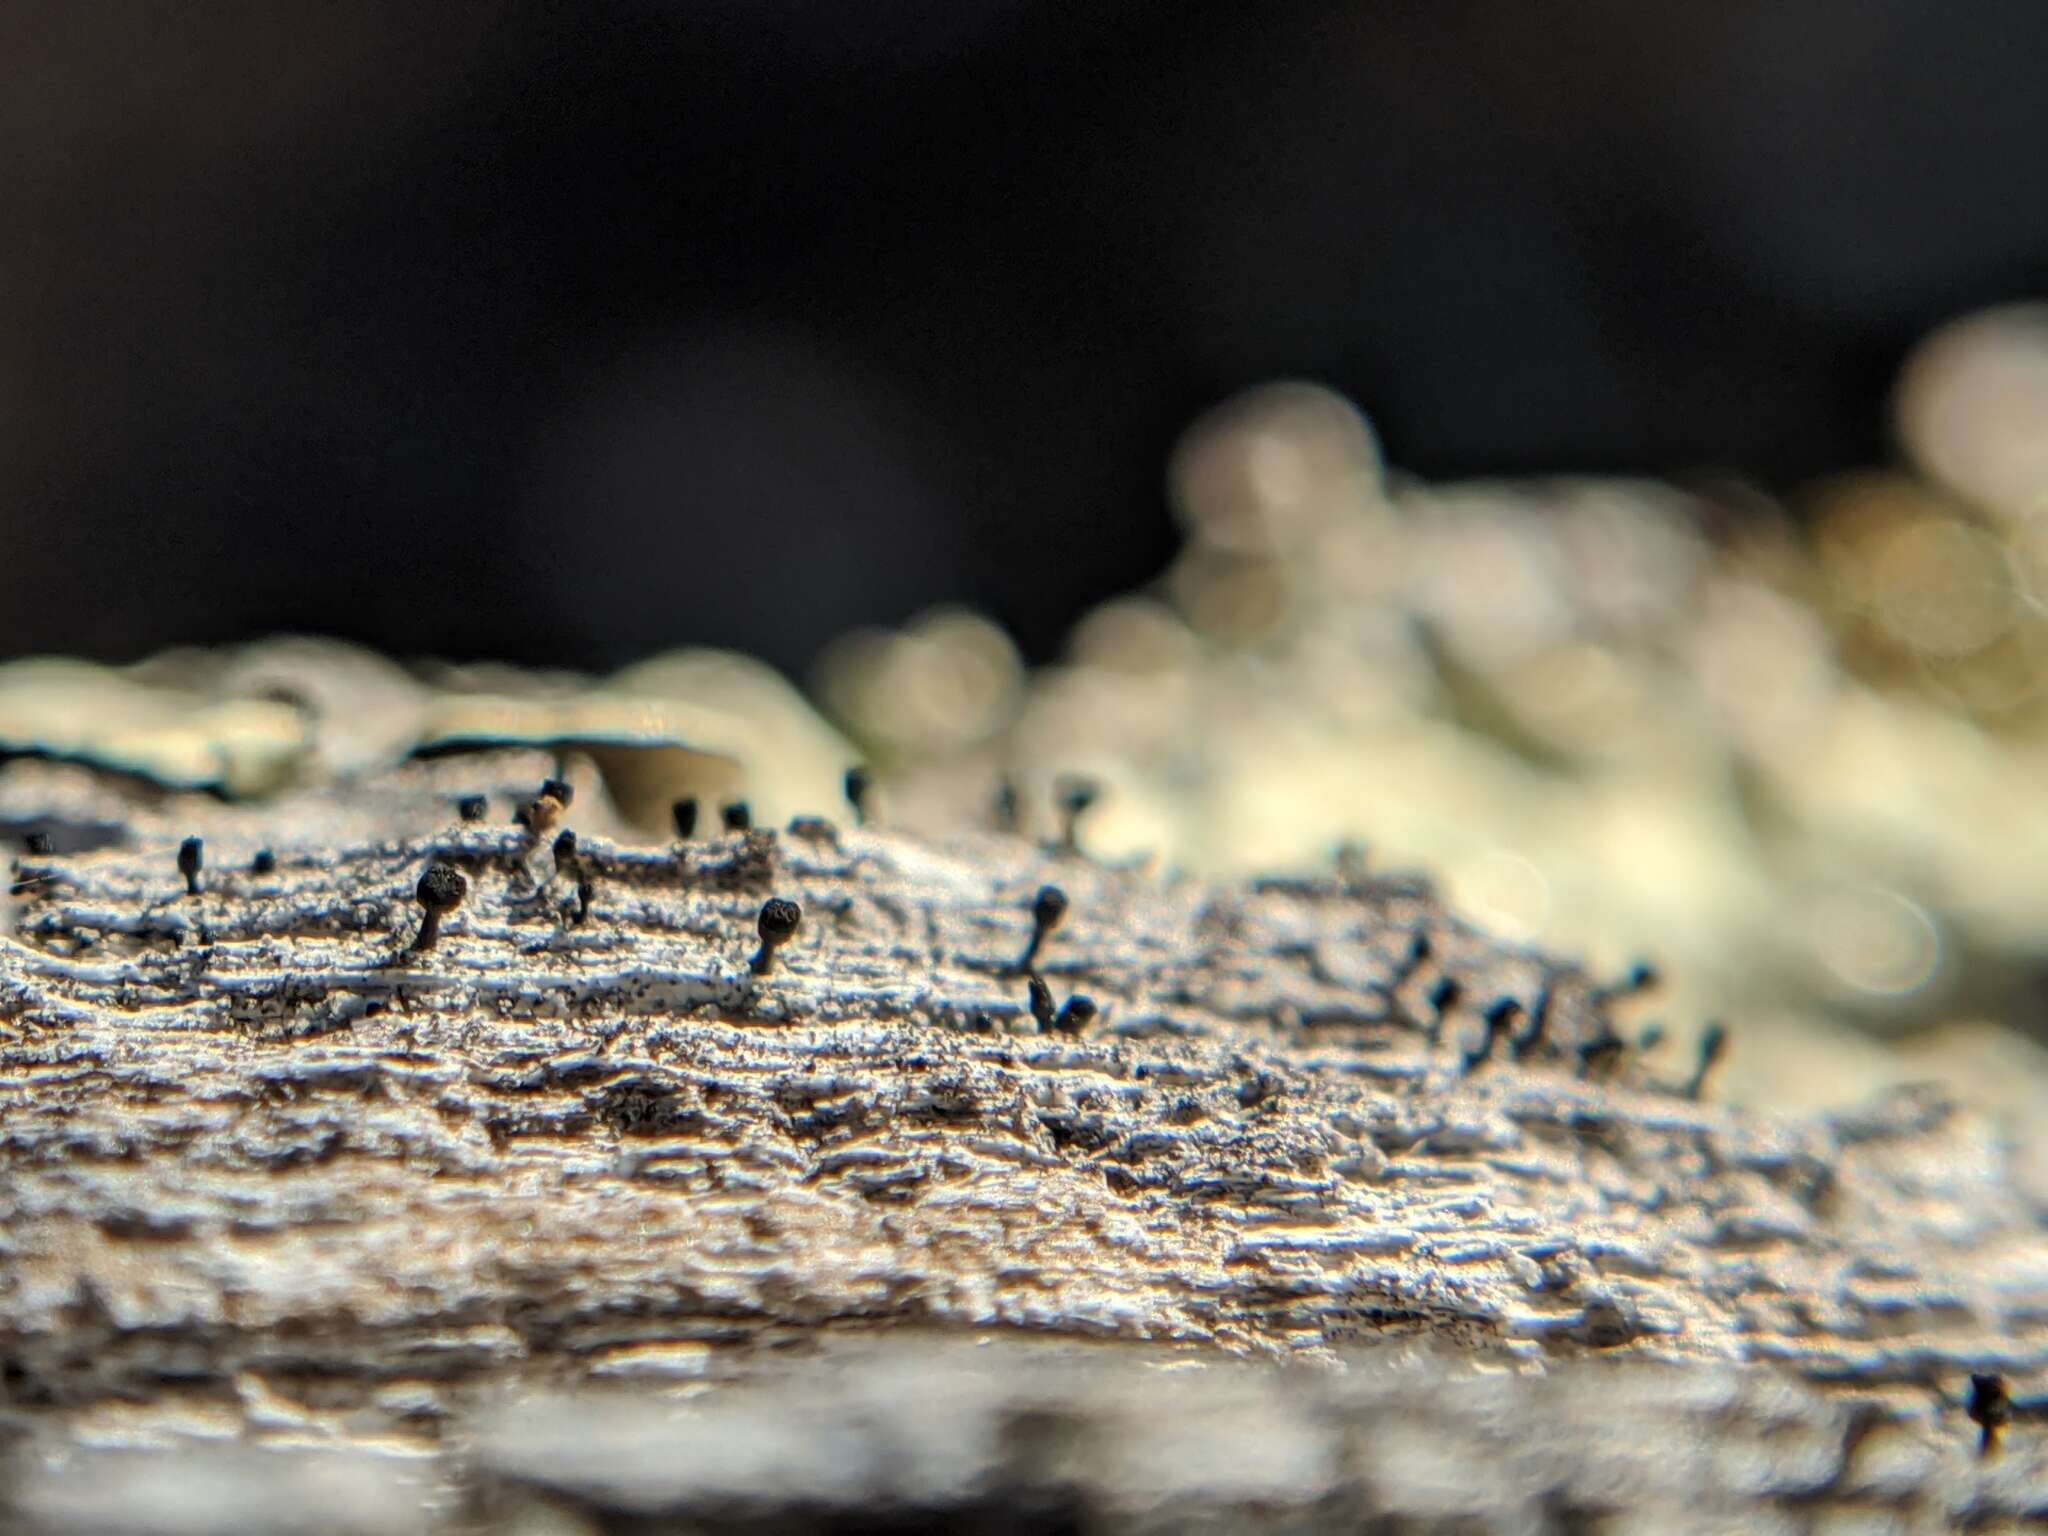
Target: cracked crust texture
x=265 y=1176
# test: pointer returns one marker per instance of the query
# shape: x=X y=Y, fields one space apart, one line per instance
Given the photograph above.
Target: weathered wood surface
x=265 y=1176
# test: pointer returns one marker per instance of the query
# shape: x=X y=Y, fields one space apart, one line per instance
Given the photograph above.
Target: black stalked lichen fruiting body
x=1713 y=1046
x=1047 y=908
x=1076 y=1016
x=1598 y=1054
x=1640 y=978
x=777 y=925
x=1990 y=1408
x=1530 y=1039
x=1499 y=1017
x=1040 y=996
x=1072 y=795
x=1414 y=956
x=440 y=891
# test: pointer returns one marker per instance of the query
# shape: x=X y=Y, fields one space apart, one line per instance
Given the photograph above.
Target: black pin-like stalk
x=1598 y=1055
x=191 y=860
x=571 y=866
x=1713 y=1046
x=1499 y=1017
x=737 y=816
x=1643 y=976
x=1413 y=957
x=1640 y=978
x=1073 y=794
x=439 y=892
x=1444 y=994
x=857 y=784
x=685 y=813
x=1990 y=1407
x=1006 y=807
x=777 y=925
x=1039 y=996
x=1047 y=908
x=1530 y=1038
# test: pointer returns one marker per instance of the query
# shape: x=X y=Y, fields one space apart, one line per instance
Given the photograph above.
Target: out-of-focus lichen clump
x=257 y=721
x=1791 y=749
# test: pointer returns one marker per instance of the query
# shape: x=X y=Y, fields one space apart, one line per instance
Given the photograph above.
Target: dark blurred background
x=571 y=331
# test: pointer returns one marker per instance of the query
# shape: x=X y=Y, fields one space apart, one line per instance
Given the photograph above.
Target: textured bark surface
x=899 y=1432
x=267 y=1178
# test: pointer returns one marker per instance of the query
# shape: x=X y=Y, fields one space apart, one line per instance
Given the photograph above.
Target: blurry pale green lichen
x=1799 y=767
x=251 y=721
x=77 y=711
